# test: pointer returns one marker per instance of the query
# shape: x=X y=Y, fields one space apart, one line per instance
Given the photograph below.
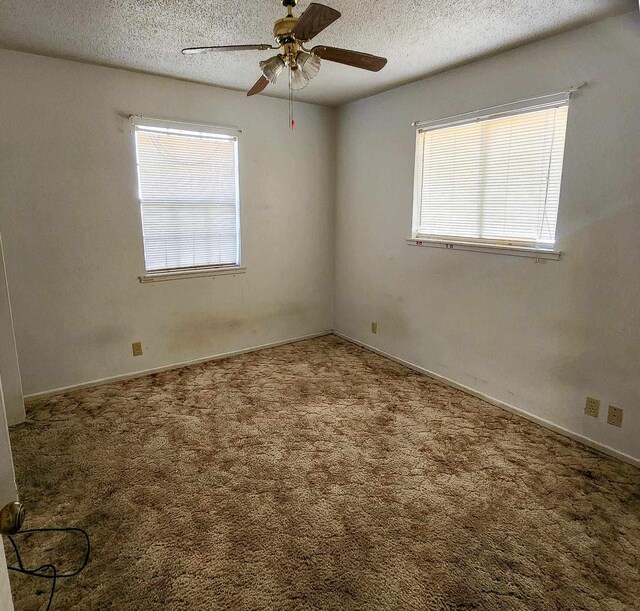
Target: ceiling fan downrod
x=289 y=5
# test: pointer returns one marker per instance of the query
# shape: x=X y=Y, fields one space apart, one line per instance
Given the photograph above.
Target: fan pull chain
x=292 y=122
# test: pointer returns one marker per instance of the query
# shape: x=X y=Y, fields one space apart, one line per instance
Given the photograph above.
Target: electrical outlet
x=592 y=407
x=615 y=416
x=374 y=327
x=136 y=348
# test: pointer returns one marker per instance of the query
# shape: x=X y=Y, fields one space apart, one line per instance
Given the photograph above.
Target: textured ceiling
x=419 y=37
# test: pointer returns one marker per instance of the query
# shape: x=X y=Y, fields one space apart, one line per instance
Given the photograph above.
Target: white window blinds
x=188 y=189
x=492 y=180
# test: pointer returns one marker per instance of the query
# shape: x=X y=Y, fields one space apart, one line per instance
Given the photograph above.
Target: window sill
x=192 y=273
x=496 y=249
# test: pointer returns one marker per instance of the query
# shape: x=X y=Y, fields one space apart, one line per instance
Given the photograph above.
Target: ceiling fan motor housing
x=282 y=28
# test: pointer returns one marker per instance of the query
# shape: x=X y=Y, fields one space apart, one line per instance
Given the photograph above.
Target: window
x=188 y=191
x=492 y=179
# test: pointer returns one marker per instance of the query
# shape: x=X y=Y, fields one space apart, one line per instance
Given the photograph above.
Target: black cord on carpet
x=48 y=571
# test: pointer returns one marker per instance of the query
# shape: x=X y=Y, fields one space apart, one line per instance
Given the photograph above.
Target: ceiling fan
x=291 y=33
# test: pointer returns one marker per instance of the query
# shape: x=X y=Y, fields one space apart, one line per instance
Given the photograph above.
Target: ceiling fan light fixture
x=291 y=34
x=299 y=79
x=272 y=67
x=308 y=63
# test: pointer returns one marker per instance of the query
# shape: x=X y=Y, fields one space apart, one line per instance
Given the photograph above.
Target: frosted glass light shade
x=298 y=79
x=272 y=67
x=308 y=63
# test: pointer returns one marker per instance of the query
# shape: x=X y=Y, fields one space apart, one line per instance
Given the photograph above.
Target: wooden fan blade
x=315 y=19
x=260 y=84
x=196 y=50
x=351 y=58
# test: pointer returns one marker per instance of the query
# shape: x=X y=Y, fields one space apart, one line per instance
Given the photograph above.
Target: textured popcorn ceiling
x=419 y=37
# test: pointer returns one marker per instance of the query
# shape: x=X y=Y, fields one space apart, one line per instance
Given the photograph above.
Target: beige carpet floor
x=319 y=476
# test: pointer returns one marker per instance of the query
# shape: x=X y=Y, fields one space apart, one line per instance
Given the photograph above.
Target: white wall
x=540 y=337
x=6 y=601
x=71 y=226
x=8 y=489
x=9 y=367
x=8 y=494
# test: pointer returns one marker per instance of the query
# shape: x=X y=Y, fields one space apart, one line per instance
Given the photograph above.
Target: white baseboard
x=145 y=372
x=595 y=445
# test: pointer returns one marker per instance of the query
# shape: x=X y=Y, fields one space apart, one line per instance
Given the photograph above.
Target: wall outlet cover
x=615 y=415
x=374 y=327
x=136 y=348
x=592 y=407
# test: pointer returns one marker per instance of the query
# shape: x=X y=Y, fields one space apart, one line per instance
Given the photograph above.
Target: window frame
x=509 y=247
x=190 y=128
